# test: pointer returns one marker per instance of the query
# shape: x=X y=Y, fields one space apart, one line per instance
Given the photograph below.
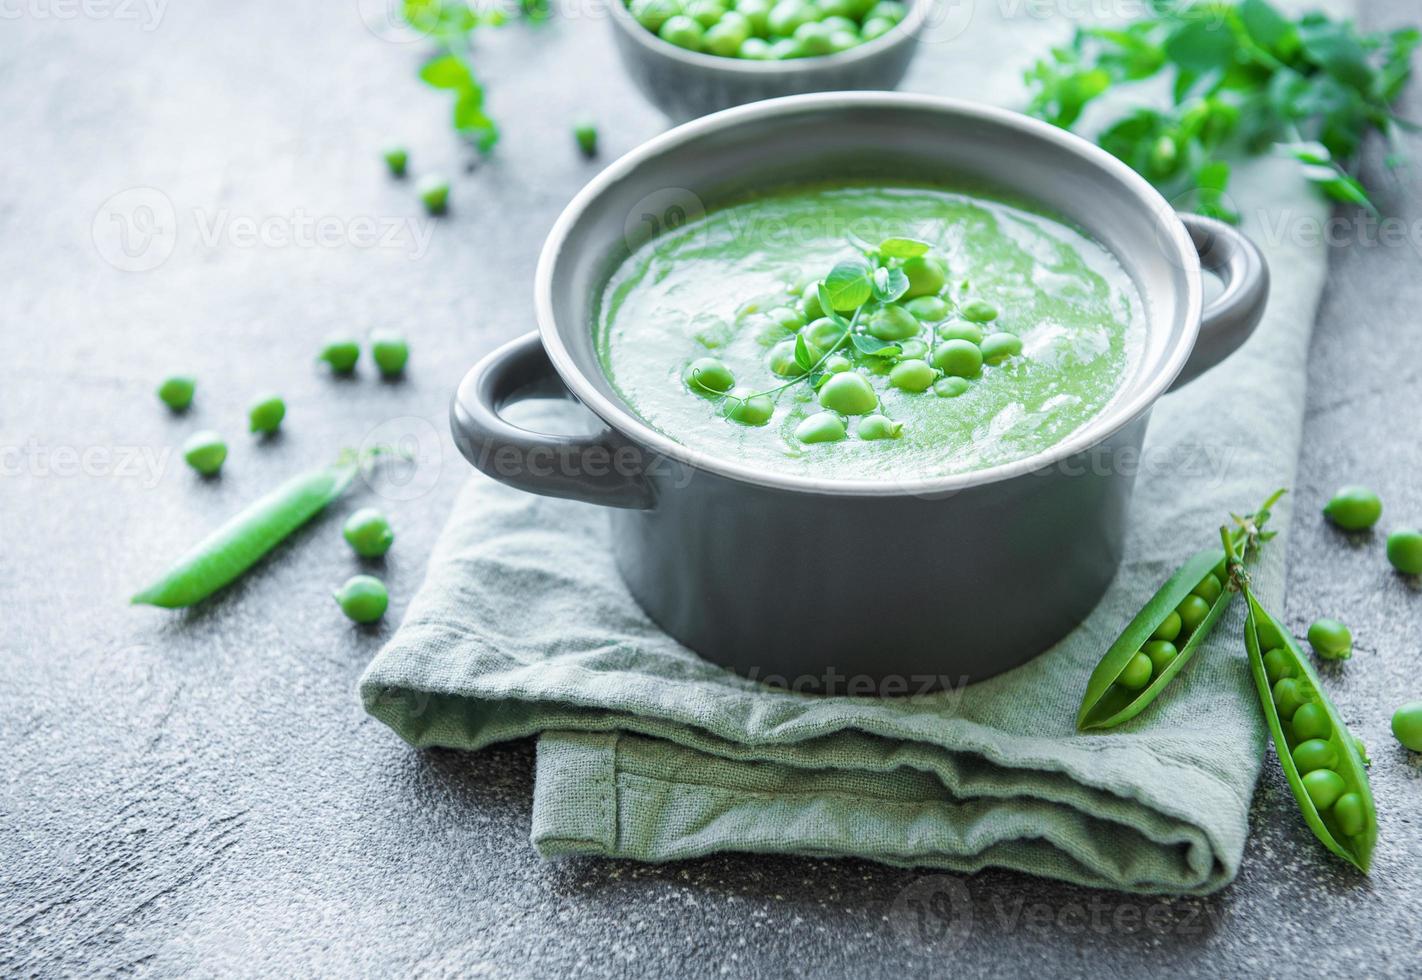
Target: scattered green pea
x=980 y=311
x=836 y=363
x=205 y=452
x=848 y=393
x=362 y=598
x=585 y=135
x=951 y=387
x=390 y=352
x=368 y=532
x=177 y=392
x=1330 y=639
x=879 y=427
x=1354 y=508
x=1278 y=664
x=821 y=427
x=926 y=276
x=1407 y=725
x=433 y=191
x=785 y=316
x=1404 y=550
x=1169 y=628
x=397 y=158
x=998 y=347
x=341 y=352
x=912 y=375
x=1136 y=673
x=910 y=349
x=1324 y=786
x=1314 y=753
x=1209 y=589
x=824 y=335
x=748 y=408
x=266 y=413
x=1311 y=721
x=782 y=362
x=960 y=330
x=893 y=322
x=810 y=301
x=1192 y=613
x=958 y=358
x=707 y=375
x=1161 y=653
x=929 y=309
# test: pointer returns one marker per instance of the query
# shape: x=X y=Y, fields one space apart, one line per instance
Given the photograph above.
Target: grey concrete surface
x=200 y=793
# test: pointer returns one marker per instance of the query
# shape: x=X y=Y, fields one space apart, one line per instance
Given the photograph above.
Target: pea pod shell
x=1350 y=765
x=237 y=545
x=1101 y=707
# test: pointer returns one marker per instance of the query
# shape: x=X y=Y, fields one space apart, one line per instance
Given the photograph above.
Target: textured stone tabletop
x=196 y=186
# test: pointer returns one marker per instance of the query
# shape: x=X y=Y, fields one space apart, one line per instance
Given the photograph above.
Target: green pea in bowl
x=743 y=56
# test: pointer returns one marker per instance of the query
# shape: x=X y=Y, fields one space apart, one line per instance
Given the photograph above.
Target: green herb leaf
x=802 y=353
x=447 y=72
x=873 y=346
x=889 y=284
x=902 y=248
x=849 y=285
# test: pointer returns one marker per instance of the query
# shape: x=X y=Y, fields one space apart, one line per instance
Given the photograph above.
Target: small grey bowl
x=687 y=84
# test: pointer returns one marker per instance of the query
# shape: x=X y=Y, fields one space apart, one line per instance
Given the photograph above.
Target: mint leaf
x=849 y=285
x=890 y=284
x=902 y=248
x=867 y=344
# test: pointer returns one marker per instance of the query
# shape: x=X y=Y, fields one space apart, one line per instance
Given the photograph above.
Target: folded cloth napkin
x=645 y=751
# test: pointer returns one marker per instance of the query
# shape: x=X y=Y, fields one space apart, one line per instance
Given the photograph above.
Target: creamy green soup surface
x=732 y=286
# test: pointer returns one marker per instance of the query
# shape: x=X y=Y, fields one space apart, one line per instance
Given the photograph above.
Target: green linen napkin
x=645 y=751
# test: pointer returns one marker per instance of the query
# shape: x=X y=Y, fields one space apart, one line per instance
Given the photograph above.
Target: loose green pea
x=998 y=347
x=1278 y=664
x=1136 y=673
x=785 y=316
x=960 y=330
x=958 y=358
x=893 y=322
x=879 y=427
x=875 y=28
x=951 y=387
x=707 y=375
x=810 y=301
x=341 y=353
x=1315 y=753
x=177 y=392
x=585 y=135
x=682 y=31
x=1311 y=721
x=1161 y=653
x=1404 y=550
x=930 y=309
x=363 y=598
x=782 y=361
x=266 y=413
x=1324 y=786
x=1288 y=696
x=205 y=452
x=836 y=363
x=368 y=532
x=1193 y=611
x=1348 y=813
x=1330 y=639
x=1209 y=589
x=821 y=427
x=824 y=335
x=652 y=14
x=748 y=408
x=926 y=275
x=848 y=394
x=980 y=311
x=397 y=158
x=433 y=191
x=1169 y=627
x=1354 y=508
x=912 y=375
x=390 y=352
x=912 y=348
x=1407 y=725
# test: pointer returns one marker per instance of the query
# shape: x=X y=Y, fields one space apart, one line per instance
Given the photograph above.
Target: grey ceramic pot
x=686 y=84
x=954 y=578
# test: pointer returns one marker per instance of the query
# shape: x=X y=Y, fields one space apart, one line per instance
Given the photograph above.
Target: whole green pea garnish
x=893 y=322
x=848 y=393
x=1404 y=550
x=1193 y=611
x=810 y=301
x=397 y=158
x=912 y=375
x=958 y=358
x=1278 y=664
x=390 y=352
x=205 y=452
x=821 y=427
x=836 y=363
x=1354 y=508
x=951 y=387
x=960 y=330
x=266 y=413
x=1407 y=725
x=1288 y=697
x=824 y=335
x=1348 y=812
x=930 y=309
x=926 y=275
x=1311 y=721
x=341 y=352
x=433 y=191
x=1330 y=639
x=787 y=317
x=1314 y=753
x=1323 y=787
x=1169 y=627
x=1209 y=589
x=782 y=362
x=585 y=135
x=998 y=347
x=879 y=427
x=177 y=391
x=1136 y=674
x=980 y=311
x=707 y=375
x=1161 y=653
x=368 y=532
x=912 y=349
x=363 y=598
x=748 y=408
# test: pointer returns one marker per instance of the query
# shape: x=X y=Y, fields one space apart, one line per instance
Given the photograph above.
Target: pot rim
x=1111 y=420
x=905 y=31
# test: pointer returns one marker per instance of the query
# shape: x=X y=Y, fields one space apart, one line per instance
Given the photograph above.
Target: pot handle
x=1229 y=319
x=600 y=469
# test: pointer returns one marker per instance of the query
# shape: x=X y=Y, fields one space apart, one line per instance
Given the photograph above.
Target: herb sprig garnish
x=1242 y=74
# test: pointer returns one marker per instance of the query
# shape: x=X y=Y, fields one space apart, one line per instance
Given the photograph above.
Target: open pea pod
x=1320 y=757
x=1109 y=701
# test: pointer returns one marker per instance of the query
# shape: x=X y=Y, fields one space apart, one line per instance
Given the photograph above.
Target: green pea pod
x=222 y=556
x=1348 y=801
x=1108 y=703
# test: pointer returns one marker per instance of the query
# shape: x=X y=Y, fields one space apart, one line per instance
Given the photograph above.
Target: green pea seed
x=1354 y=508
x=910 y=349
x=758 y=13
x=363 y=598
x=912 y=375
x=368 y=532
x=1324 y=786
x=888 y=10
x=810 y=301
x=893 y=322
x=266 y=413
x=652 y=14
x=205 y=452
x=1169 y=627
x=1311 y=721
x=754 y=49
x=814 y=39
x=1136 y=673
x=848 y=394
x=1161 y=653
x=433 y=191
x=585 y=135
x=929 y=309
x=682 y=31
x=782 y=362
x=397 y=159
x=784 y=49
x=707 y=375
x=787 y=15
x=836 y=363
x=390 y=352
x=1404 y=550
x=1269 y=637
x=748 y=408
x=926 y=275
x=1278 y=664
x=821 y=427
x=1209 y=589
x=341 y=353
x=824 y=335
x=1314 y=753
x=879 y=427
x=1330 y=639
x=786 y=317
x=725 y=39
x=960 y=330
x=1348 y=814
x=705 y=12
x=998 y=347
x=1407 y=725
x=1193 y=611
x=875 y=28
x=980 y=311
x=958 y=358
x=177 y=392
x=1288 y=696
x=951 y=387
